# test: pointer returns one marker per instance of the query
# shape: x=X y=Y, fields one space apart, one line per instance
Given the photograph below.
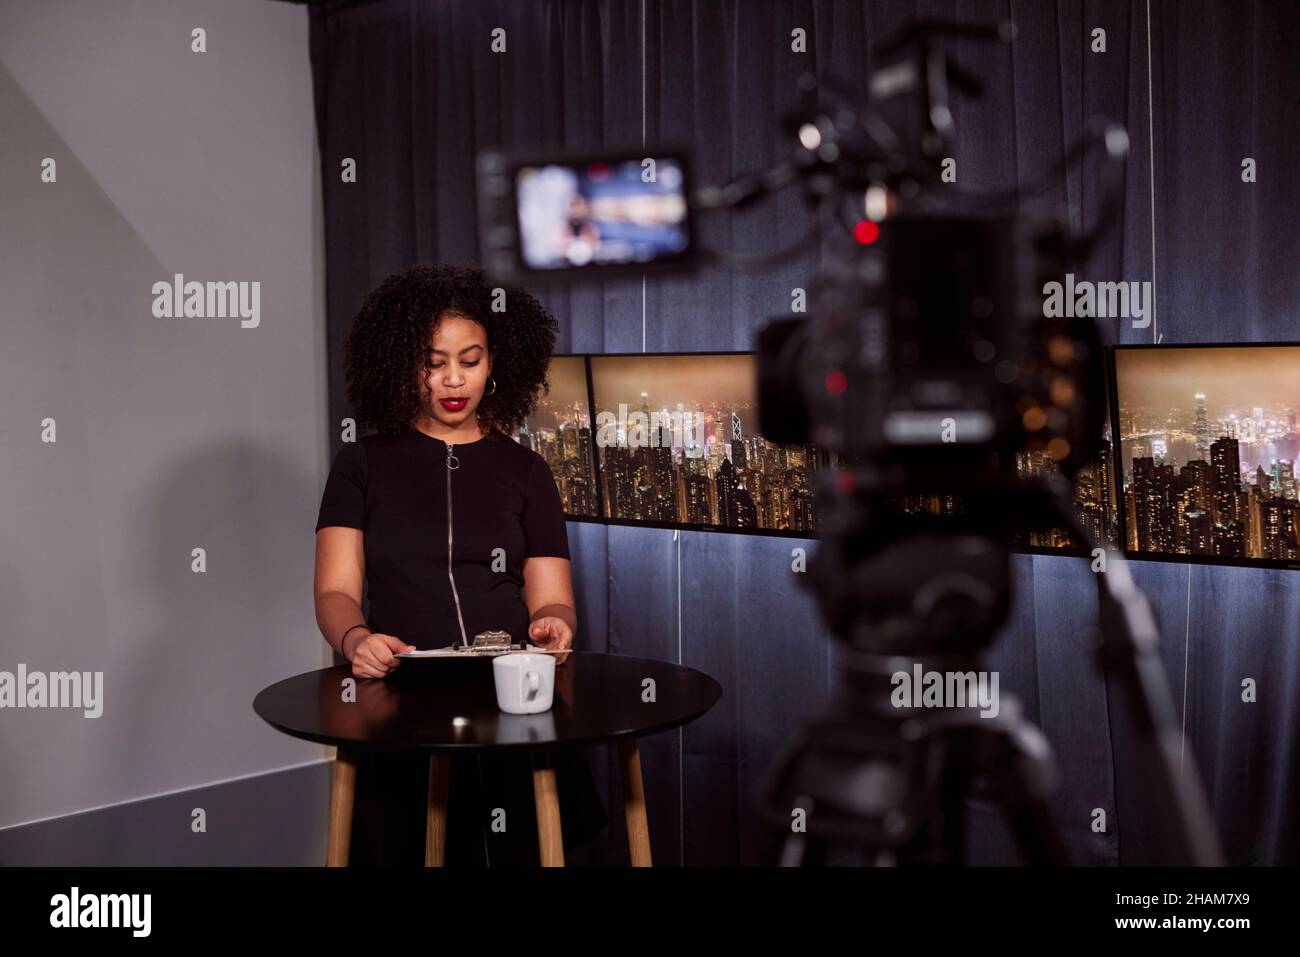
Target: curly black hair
x=386 y=351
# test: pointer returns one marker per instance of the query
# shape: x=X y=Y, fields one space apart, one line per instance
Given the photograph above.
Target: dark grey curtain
x=411 y=91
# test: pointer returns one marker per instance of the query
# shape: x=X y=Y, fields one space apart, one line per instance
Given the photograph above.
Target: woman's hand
x=552 y=633
x=372 y=657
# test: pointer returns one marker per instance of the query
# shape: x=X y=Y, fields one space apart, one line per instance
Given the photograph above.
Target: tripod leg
x=1025 y=779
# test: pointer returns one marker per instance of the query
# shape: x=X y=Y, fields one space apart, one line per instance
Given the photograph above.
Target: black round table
x=442 y=706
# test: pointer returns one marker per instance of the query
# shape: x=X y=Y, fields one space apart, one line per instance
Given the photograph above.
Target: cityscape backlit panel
x=677 y=443
x=1208 y=445
x=560 y=431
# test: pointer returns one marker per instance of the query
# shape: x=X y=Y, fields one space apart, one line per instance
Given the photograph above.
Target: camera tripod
x=921 y=594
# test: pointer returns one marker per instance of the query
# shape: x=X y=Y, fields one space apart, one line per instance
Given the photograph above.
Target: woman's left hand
x=551 y=633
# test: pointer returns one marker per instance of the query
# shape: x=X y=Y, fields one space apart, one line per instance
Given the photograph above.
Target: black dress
x=504 y=508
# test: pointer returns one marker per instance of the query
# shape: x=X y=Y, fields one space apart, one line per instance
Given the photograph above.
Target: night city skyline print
x=1094 y=496
x=1208 y=444
x=677 y=443
x=559 y=430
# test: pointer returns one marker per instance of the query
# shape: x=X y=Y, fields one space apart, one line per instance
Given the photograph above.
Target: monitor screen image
x=601 y=213
x=677 y=446
x=1208 y=446
x=560 y=431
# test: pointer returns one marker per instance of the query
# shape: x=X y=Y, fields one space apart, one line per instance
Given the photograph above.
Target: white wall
x=171 y=433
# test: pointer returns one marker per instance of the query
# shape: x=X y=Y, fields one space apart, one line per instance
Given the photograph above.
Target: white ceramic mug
x=525 y=682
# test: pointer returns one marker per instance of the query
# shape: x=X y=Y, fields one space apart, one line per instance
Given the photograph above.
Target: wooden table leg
x=341 y=798
x=550 y=838
x=435 y=822
x=638 y=827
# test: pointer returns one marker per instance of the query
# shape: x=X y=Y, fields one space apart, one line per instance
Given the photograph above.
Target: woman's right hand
x=372 y=657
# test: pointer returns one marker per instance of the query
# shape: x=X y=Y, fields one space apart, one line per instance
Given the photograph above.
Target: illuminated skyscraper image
x=1094 y=499
x=1221 y=482
x=560 y=431
x=677 y=443
x=1202 y=425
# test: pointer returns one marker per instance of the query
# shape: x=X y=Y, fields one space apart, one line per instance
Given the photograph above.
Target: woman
x=454 y=528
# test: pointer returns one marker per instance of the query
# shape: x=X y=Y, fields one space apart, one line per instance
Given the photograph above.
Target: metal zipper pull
x=453 y=463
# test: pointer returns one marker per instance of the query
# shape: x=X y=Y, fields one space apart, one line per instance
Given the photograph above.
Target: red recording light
x=866 y=232
x=836 y=382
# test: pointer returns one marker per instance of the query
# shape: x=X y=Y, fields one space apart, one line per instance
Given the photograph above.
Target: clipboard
x=487 y=644
x=460 y=651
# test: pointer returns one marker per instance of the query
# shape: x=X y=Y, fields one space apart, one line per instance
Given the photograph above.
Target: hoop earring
x=494 y=385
